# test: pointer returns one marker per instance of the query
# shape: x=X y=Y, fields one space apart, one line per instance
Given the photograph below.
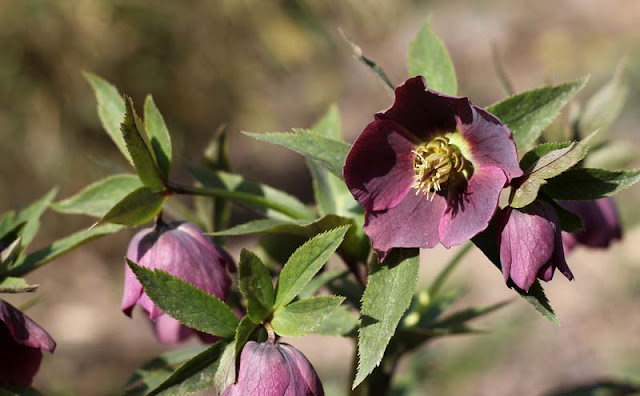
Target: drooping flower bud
x=600 y=220
x=21 y=344
x=530 y=244
x=274 y=369
x=182 y=250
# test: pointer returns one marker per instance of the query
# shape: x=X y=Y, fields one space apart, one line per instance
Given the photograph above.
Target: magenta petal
x=170 y=331
x=379 y=167
x=491 y=143
x=424 y=112
x=305 y=371
x=470 y=212
x=523 y=257
x=413 y=223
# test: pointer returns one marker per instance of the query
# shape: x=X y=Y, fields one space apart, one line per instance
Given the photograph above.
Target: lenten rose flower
x=21 y=344
x=530 y=243
x=182 y=250
x=274 y=369
x=429 y=169
x=601 y=223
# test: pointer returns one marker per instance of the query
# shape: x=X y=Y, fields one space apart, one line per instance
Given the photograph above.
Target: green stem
x=241 y=197
x=446 y=271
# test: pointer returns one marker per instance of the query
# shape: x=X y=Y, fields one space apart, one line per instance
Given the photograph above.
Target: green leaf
x=373 y=66
x=598 y=388
x=181 y=300
x=262 y=198
x=589 y=183
x=527 y=114
x=305 y=263
x=341 y=322
x=294 y=227
x=243 y=334
x=428 y=57
x=611 y=155
x=328 y=153
x=226 y=373
x=111 y=110
x=141 y=153
x=16 y=285
x=331 y=193
x=486 y=242
x=97 y=198
x=158 y=136
x=137 y=208
x=156 y=371
x=255 y=285
x=196 y=374
x=304 y=316
x=460 y=318
x=604 y=107
x=387 y=296
x=533 y=156
x=60 y=247
x=546 y=167
x=31 y=216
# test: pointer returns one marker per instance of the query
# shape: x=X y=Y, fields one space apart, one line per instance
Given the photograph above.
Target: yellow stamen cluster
x=435 y=163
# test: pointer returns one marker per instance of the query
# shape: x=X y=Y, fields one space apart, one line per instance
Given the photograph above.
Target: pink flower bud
x=274 y=369
x=182 y=250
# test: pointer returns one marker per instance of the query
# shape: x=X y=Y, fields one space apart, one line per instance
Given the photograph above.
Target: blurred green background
x=270 y=66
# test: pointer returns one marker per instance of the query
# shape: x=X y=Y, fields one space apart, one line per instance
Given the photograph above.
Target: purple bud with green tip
x=182 y=250
x=21 y=344
x=274 y=369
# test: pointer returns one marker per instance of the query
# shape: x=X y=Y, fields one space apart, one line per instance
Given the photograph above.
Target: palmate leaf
x=428 y=57
x=589 y=183
x=142 y=155
x=99 y=197
x=138 y=207
x=545 y=164
x=264 y=199
x=388 y=294
x=255 y=285
x=305 y=263
x=328 y=153
x=527 y=114
x=304 y=316
x=159 y=138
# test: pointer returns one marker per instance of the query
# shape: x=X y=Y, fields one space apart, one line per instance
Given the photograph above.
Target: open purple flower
x=274 y=369
x=182 y=250
x=21 y=344
x=429 y=169
x=530 y=244
x=601 y=223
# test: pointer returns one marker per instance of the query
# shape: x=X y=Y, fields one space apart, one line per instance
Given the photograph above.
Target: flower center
x=437 y=163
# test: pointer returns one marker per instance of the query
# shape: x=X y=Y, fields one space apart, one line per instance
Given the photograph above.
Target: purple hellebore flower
x=530 y=243
x=21 y=344
x=274 y=369
x=182 y=250
x=601 y=223
x=429 y=169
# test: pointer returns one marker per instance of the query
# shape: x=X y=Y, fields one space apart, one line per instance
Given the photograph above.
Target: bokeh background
x=273 y=65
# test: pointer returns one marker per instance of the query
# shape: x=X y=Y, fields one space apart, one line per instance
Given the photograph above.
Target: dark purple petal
x=413 y=223
x=491 y=143
x=24 y=330
x=270 y=369
x=470 y=211
x=424 y=112
x=21 y=344
x=601 y=223
x=379 y=167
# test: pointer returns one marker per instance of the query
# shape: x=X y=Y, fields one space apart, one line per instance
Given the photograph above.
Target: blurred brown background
x=273 y=65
